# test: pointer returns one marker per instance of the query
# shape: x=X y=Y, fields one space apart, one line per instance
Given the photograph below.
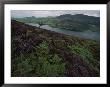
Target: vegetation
x=39 y=63
x=78 y=22
x=39 y=52
x=40 y=23
x=85 y=53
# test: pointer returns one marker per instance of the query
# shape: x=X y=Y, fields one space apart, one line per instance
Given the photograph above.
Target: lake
x=86 y=35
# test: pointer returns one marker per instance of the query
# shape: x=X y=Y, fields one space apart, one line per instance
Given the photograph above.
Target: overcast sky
x=45 y=13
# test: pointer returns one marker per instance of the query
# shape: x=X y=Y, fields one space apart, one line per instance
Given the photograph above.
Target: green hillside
x=42 y=53
x=78 y=22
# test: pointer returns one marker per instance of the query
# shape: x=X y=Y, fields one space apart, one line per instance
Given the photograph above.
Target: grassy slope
x=72 y=56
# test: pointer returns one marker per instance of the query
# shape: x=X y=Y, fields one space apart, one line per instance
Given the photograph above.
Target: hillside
x=78 y=22
x=38 y=52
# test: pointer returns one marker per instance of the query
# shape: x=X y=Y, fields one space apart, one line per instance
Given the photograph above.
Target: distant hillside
x=42 y=53
x=78 y=22
x=81 y=18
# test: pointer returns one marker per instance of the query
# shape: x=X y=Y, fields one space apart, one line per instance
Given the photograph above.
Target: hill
x=38 y=52
x=78 y=22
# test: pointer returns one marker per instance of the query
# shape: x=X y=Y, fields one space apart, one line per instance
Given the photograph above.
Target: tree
x=40 y=23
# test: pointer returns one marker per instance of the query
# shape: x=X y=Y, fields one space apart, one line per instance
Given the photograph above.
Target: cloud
x=45 y=13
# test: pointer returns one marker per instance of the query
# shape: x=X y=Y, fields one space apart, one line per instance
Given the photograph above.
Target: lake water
x=85 y=35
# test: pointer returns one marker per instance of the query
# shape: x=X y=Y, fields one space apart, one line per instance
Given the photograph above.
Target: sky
x=46 y=13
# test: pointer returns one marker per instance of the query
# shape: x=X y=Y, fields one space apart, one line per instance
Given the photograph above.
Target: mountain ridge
x=78 y=22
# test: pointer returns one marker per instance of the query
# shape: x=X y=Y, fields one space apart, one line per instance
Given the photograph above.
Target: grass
x=86 y=54
x=39 y=63
x=42 y=53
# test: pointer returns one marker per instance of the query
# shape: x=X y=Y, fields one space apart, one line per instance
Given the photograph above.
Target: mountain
x=78 y=22
x=38 y=52
x=81 y=18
